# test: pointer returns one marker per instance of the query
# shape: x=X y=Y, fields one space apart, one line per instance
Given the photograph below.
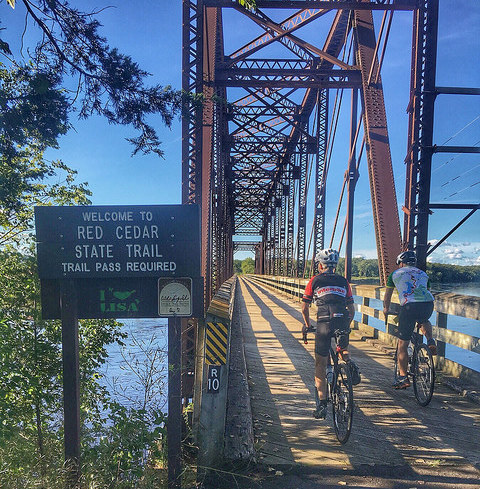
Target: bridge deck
x=389 y=429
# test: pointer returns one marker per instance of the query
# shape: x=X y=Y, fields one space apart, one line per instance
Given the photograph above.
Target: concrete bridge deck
x=389 y=430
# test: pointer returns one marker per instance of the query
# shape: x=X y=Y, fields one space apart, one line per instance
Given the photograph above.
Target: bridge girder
x=257 y=149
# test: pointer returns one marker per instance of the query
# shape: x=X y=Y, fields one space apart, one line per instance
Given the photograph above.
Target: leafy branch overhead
x=108 y=83
x=248 y=4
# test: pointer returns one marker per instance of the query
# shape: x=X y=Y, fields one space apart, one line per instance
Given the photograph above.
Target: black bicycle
x=421 y=368
x=339 y=386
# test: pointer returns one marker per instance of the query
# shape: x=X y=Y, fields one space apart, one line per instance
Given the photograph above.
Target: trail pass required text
x=119 y=241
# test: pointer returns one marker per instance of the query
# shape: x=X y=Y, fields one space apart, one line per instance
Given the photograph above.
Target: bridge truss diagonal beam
x=249 y=152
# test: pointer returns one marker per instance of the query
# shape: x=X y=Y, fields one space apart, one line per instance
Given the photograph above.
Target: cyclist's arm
x=351 y=311
x=307 y=299
x=306 y=315
x=387 y=299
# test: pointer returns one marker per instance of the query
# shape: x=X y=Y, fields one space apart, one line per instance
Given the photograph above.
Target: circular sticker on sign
x=175 y=298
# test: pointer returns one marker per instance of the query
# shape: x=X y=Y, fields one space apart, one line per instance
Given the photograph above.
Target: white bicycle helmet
x=407 y=257
x=328 y=257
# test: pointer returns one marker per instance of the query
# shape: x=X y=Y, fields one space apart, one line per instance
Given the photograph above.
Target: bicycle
x=339 y=387
x=420 y=369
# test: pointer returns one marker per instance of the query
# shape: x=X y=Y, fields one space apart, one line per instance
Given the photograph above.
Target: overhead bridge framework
x=262 y=135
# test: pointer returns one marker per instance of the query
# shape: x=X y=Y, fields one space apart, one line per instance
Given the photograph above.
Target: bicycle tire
x=342 y=403
x=423 y=374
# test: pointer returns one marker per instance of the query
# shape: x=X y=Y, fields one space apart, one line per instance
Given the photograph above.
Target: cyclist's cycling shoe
x=432 y=345
x=401 y=383
x=320 y=412
x=354 y=372
x=311 y=329
x=320 y=407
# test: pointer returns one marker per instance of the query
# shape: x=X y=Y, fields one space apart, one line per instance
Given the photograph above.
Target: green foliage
x=33 y=116
x=31 y=370
x=440 y=272
x=119 y=453
x=109 y=83
x=119 y=444
x=360 y=267
x=34 y=111
x=248 y=4
x=248 y=265
x=237 y=266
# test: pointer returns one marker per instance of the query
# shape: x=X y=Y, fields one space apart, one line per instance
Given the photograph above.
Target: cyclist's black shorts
x=323 y=337
x=410 y=314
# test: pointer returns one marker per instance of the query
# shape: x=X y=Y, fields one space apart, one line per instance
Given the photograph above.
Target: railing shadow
x=386 y=417
x=266 y=414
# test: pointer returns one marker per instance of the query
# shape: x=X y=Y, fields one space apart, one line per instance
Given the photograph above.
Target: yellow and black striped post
x=216 y=344
x=214 y=381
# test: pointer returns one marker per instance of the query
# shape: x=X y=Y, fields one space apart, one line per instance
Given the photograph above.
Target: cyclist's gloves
x=304 y=333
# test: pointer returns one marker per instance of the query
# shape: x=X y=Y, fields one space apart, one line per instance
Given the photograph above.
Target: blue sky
x=150 y=31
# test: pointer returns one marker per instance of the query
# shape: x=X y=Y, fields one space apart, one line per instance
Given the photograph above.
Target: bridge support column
x=211 y=385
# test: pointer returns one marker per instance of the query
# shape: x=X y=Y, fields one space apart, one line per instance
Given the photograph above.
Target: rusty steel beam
x=420 y=138
x=320 y=159
x=290 y=24
x=382 y=184
x=325 y=4
x=192 y=82
x=316 y=84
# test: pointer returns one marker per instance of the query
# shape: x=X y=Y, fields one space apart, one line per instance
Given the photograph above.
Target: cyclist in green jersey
x=416 y=305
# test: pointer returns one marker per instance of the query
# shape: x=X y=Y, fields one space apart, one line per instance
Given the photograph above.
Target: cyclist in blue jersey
x=333 y=296
x=416 y=305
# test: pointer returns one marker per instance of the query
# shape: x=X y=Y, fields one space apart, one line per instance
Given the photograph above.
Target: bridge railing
x=211 y=378
x=369 y=319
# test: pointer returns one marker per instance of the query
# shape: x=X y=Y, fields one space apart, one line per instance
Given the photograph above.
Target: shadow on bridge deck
x=389 y=430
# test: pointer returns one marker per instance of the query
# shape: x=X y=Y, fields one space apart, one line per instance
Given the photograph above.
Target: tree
x=33 y=116
x=237 y=266
x=35 y=105
x=31 y=372
x=248 y=265
x=108 y=83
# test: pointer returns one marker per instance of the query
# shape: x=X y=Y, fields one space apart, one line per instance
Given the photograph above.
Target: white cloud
x=460 y=253
x=454 y=253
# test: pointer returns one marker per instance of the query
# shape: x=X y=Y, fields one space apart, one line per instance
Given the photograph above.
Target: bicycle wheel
x=423 y=374
x=342 y=403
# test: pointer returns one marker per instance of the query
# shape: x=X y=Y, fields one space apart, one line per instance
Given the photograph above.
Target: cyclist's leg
x=322 y=345
x=426 y=325
x=426 y=329
x=402 y=357
x=406 y=325
x=320 y=373
x=354 y=370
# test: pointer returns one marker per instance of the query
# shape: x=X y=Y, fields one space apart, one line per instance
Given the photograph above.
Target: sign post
x=119 y=262
x=71 y=380
x=174 y=425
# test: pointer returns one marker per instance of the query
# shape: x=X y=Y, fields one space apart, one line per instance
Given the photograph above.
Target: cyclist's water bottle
x=329 y=374
x=410 y=350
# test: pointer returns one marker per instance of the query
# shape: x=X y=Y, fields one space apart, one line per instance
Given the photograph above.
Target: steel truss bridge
x=260 y=128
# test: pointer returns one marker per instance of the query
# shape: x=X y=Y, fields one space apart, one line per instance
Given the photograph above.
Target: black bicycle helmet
x=328 y=257
x=407 y=257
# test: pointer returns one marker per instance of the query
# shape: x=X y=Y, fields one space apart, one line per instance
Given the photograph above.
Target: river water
x=137 y=372
x=142 y=364
x=455 y=323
